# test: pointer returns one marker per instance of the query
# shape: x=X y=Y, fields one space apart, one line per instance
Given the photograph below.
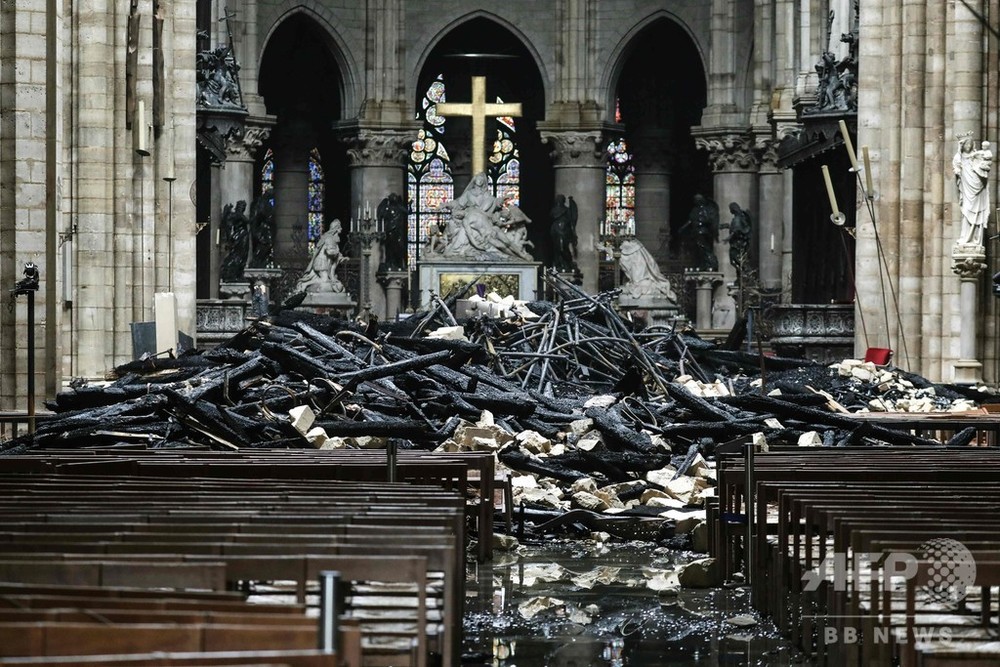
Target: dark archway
x=301 y=84
x=661 y=93
x=511 y=74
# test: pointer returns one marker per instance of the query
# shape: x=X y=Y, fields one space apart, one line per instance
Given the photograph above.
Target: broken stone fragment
x=701 y=573
x=302 y=418
x=684 y=488
x=589 y=501
x=684 y=522
x=317 y=437
x=580 y=426
x=810 y=439
x=335 y=442
x=699 y=537
x=586 y=484
x=600 y=401
x=503 y=542
x=448 y=333
x=665 y=502
x=662 y=476
x=533 y=441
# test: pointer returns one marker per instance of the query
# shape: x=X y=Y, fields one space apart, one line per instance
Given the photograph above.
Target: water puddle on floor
x=580 y=604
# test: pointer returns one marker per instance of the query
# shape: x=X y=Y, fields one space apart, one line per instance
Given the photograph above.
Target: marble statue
x=481 y=227
x=972 y=169
x=702 y=227
x=391 y=214
x=643 y=279
x=235 y=228
x=563 y=231
x=320 y=274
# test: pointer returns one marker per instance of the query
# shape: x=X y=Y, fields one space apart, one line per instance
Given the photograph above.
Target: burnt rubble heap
x=585 y=410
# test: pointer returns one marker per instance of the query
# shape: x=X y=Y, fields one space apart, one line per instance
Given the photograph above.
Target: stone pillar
x=734 y=165
x=291 y=194
x=377 y=163
x=579 y=161
x=968 y=263
x=235 y=179
x=770 y=218
x=653 y=167
x=705 y=282
x=393 y=283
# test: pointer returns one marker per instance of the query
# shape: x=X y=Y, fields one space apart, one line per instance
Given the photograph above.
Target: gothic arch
x=324 y=19
x=431 y=44
x=623 y=51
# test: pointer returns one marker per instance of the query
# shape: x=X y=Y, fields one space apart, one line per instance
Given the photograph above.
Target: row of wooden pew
x=862 y=555
x=162 y=557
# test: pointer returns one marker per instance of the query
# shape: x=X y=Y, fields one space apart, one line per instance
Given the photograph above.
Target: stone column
x=968 y=262
x=579 y=161
x=393 y=283
x=291 y=194
x=705 y=283
x=235 y=180
x=377 y=163
x=734 y=165
x=769 y=221
x=653 y=167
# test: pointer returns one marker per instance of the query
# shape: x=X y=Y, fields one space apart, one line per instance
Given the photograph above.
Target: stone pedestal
x=329 y=303
x=656 y=311
x=236 y=291
x=968 y=262
x=393 y=283
x=444 y=277
x=705 y=283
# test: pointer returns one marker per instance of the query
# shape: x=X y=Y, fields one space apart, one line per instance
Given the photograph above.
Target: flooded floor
x=580 y=604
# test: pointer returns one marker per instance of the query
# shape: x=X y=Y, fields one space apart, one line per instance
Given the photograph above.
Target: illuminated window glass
x=315 y=208
x=267 y=177
x=504 y=170
x=428 y=175
x=619 y=202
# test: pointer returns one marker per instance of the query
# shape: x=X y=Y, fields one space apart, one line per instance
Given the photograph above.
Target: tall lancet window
x=428 y=177
x=315 y=205
x=619 y=199
x=315 y=193
x=267 y=178
x=504 y=170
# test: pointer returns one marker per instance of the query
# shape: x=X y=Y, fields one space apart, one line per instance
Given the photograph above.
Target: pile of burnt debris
x=586 y=410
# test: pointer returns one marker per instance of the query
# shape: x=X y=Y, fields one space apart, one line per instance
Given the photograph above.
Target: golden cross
x=479 y=111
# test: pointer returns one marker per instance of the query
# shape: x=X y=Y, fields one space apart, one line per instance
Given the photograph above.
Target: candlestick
x=868 y=171
x=829 y=190
x=850 y=147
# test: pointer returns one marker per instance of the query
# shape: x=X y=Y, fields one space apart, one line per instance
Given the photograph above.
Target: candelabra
x=364 y=233
x=614 y=231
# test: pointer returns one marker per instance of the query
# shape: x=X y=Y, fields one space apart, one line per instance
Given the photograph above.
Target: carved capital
x=703 y=279
x=378 y=148
x=767 y=154
x=729 y=152
x=653 y=154
x=968 y=261
x=243 y=145
x=576 y=148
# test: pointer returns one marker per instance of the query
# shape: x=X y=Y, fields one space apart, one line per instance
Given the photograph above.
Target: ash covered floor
x=573 y=603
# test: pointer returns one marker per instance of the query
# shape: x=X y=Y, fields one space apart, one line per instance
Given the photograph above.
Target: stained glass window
x=267 y=177
x=504 y=170
x=315 y=217
x=619 y=203
x=428 y=178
